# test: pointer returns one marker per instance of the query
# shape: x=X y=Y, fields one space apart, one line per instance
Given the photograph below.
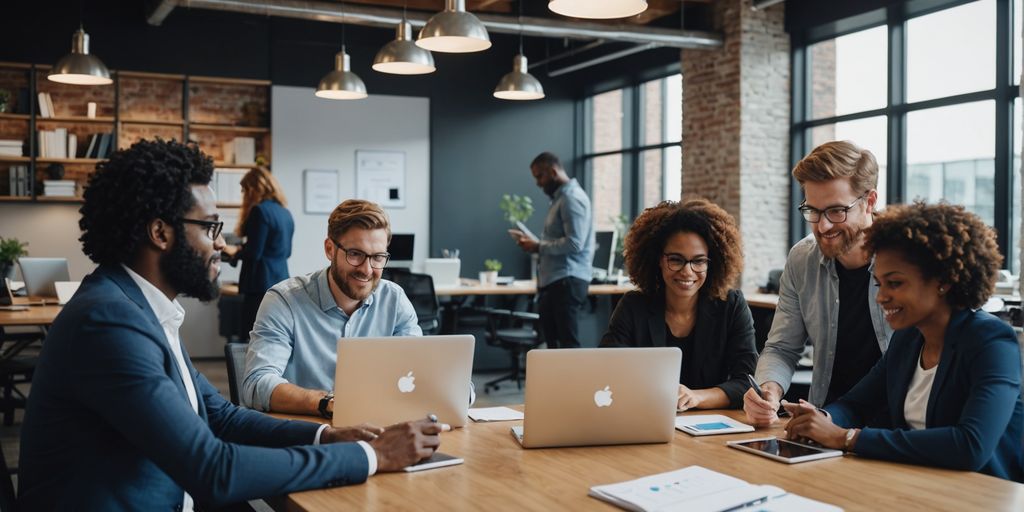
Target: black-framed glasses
x=355 y=257
x=835 y=214
x=675 y=263
x=213 y=228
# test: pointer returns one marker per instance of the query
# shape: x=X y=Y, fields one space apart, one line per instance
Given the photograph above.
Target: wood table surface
x=35 y=315
x=500 y=475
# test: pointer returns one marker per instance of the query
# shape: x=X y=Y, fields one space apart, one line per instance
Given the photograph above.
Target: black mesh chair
x=234 y=357
x=18 y=360
x=516 y=333
x=420 y=290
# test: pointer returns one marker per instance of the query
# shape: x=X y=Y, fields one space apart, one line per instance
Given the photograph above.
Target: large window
x=929 y=89
x=632 y=149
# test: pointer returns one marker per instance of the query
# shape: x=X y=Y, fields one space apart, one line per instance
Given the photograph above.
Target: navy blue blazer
x=109 y=425
x=974 y=419
x=723 y=338
x=268 y=244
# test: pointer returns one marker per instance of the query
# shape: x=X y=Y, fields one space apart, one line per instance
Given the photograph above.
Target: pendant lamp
x=519 y=84
x=454 y=30
x=402 y=57
x=598 y=9
x=79 y=67
x=342 y=83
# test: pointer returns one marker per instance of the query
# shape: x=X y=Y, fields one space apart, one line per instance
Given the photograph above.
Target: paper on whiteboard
x=380 y=177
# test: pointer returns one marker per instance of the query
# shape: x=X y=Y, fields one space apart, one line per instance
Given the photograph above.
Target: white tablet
x=784 y=451
x=437 y=460
x=710 y=424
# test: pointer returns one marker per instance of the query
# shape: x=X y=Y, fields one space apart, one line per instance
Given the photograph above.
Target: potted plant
x=490 y=276
x=10 y=250
x=5 y=100
x=516 y=208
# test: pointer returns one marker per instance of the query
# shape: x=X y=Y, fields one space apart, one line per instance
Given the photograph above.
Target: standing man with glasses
x=826 y=293
x=290 y=364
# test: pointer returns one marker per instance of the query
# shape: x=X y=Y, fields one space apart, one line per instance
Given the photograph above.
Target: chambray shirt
x=809 y=309
x=297 y=329
x=567 y=243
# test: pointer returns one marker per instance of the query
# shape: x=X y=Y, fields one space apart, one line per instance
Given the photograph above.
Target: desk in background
x=499 y=475
x=472 y=287
x=34 y=316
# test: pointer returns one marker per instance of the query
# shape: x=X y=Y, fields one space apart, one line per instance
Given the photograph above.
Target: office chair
x=515 y=332
x=234 y=357
x=420 y=290
x=15 y=368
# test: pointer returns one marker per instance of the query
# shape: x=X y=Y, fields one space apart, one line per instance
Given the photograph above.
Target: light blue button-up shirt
x=295 y=337
x=567 y=243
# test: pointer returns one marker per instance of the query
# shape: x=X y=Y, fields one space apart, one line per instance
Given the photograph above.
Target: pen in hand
x=753 y=384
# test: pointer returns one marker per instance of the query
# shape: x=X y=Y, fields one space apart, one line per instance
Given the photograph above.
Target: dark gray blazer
x=723 y=343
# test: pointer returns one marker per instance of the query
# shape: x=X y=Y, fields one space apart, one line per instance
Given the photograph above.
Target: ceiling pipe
x=764 y=4
x=530 y=27
x=159 y=11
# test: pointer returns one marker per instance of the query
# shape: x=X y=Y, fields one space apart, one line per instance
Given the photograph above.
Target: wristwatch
x=327 y=399
x=850 y=432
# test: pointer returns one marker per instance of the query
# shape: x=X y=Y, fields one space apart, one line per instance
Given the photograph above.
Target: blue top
x=110 y=427
x=268 y=244
x=974 y=420
x=567 y=243
x=295 y=337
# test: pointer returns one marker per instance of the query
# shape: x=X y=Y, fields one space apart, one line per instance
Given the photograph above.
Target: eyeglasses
x=835 y=214
x=355 y=257
x=213 y=229
x=676 y=263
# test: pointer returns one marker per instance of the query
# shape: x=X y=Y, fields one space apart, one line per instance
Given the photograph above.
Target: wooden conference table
x=499 y=475
x=33 y=316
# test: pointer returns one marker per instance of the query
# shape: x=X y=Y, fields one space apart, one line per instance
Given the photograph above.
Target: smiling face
x=908 y=298
x=837 y=239
x=682 y=284
x=356 y=282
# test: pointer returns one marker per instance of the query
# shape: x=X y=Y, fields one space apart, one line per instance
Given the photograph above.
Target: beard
x=847 y=242
x=187 y=271
x=342 y=282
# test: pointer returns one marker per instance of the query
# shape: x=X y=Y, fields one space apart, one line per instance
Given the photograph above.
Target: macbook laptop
x=66 y=290
x=40 y=274
x=444 y=271
x=599 y=396
x=390 y=380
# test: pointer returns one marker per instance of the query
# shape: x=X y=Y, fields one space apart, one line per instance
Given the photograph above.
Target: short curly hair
x=945 y=242
x=149 y=180
x=649 y=234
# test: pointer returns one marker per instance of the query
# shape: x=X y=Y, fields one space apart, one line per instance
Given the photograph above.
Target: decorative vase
x=489 y=277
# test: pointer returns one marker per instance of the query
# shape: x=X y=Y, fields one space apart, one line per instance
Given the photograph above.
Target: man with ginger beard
x=826 y=293
x=290 y=363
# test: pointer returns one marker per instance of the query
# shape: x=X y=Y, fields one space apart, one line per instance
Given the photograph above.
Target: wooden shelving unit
x=212 y=111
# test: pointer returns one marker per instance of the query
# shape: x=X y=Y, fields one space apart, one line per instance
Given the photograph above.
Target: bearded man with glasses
x=826 y=294
x=292 y=350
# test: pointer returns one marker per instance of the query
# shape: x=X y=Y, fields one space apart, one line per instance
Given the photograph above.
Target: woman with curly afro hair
x=950 y=383
x=684 y=257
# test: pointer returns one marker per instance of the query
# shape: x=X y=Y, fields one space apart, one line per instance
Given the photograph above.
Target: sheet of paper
x=494 y=414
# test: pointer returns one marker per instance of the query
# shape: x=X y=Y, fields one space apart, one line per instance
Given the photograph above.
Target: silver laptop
x=390 y=380
x=600 y=396
x=444 y=271
x=40 y=274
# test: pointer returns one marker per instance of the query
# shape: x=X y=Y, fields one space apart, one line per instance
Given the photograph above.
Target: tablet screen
x=782 y=448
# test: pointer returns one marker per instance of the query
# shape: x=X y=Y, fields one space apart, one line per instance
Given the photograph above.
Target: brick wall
x=736 y=130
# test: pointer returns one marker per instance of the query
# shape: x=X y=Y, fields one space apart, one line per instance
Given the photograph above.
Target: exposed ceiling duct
x=652 y=37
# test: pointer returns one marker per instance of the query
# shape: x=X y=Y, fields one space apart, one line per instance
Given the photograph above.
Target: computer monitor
x=401 y=249
x=604 y=252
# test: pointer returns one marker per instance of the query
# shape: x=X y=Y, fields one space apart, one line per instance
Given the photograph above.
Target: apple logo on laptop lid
x=407 y=383
x=603 y=397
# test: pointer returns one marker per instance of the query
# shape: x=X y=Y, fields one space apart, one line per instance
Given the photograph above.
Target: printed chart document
x=495 y=414
x=710 y=424
x=698 y=489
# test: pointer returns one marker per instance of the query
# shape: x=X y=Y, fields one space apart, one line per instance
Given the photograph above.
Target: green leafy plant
x=620 y=223
x=516 y=208
x=11 y=249
x=492 y=265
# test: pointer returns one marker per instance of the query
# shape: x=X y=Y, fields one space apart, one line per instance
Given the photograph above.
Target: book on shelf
x=11 y=147
x=243 y=150
x=91 y=146
x=72 y=146
x=698 y=489
x=227 y=185
x=17 y=178
x=59 y=188
x=44 y=105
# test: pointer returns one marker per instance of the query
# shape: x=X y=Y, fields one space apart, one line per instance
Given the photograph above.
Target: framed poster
x=319 y=190
x=380 y=177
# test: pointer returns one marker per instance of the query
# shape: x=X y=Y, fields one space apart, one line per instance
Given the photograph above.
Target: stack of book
x=45 y=105
x=17 y=176
x=100 y=145
x=59 y=188
x=11 y=147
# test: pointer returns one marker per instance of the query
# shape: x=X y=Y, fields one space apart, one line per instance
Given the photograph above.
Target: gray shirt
x=297 y=329
x=809 y=309
x=567 y=243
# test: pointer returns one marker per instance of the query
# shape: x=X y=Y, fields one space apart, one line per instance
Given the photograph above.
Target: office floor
x=216 y=372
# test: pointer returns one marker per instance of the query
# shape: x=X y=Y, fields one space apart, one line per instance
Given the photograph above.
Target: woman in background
x=949 y=384
x=267 y=227
x=684 y=258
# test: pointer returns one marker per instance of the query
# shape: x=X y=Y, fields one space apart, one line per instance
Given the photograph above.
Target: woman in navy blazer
x=950 y=383
x=268 y=228
x=683 y=257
